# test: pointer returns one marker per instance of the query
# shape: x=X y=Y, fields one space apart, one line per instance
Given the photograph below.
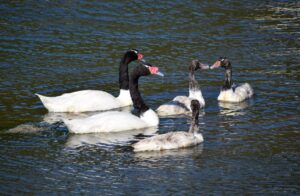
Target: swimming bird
x=114 y=121
x=95 y=100
x=231 y=92
x=181 y=104
x=174 y=140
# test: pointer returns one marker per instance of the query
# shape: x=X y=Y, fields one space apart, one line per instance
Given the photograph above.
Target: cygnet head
x=221 y=62
x=196 y=64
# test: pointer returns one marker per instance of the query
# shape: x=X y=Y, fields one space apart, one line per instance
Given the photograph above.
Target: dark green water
x=53 y=47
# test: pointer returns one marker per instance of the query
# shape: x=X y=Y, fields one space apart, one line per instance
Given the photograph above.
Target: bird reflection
x=234 y=109
x=53 y=117
x=182 y=152
x=53 y=120
x=104 y=139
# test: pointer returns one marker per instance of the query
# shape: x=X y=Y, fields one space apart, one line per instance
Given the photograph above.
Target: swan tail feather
x=45 y=100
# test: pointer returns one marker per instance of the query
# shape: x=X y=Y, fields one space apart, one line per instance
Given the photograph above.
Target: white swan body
x=181 y=104
x=167 y=141
x=95 y=100
x=174 y=140
x=231 y=93
x=115 y=121
x=112 y=121
x=86 y=101
x=238 y=94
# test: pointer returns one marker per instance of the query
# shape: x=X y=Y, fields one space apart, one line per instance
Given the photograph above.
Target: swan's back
x=238 y=94
x=168 y=141
x=111 y=121
x=80 y=101
x=179 y=105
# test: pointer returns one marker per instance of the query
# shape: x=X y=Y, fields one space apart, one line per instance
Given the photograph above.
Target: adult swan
x=95 y=100
x=114 y=121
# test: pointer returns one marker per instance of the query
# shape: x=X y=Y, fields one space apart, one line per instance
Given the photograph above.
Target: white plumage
x=112 y=121
x=95 y=100
x=237 y=94
x=85 y=101
x=230 y=92
x=181 y=104
x=115 y=121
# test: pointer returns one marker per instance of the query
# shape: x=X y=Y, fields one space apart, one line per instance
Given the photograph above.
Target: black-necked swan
x=95 y=100
x=231 y=92
x=181 y=104
x=114 y=121
x=173 y=140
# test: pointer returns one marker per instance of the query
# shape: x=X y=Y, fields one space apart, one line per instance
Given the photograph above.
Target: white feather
x=112 y=121
x=85 y=101
x=239 y=94
x=181 y=104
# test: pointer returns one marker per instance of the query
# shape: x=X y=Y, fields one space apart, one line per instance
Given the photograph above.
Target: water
x=56 y=47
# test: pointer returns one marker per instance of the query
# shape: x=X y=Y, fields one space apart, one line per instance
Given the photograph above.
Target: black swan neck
x=123 y=72
x=228 y=78
x=136 y=97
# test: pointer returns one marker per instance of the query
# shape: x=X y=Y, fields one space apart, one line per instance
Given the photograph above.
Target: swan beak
x=143 y=61
x=204 y=66
x=160 y=74
x=154 y=70
x=217 y=64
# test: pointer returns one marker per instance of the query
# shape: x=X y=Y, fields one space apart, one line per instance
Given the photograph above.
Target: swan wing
x=167 y=141
x=80 y=101
x=179 y=105
x=237 y=94
x=244 y=90
x=112 y=121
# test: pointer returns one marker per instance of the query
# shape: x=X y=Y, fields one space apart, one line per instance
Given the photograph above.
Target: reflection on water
x=26 y=128
x=53 y=117
x=118 y=138
x=234 y=109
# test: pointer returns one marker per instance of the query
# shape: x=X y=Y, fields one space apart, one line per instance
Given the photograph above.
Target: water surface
x=57 y=47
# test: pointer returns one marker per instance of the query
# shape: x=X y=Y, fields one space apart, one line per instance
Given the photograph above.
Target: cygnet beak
x=217 y=64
